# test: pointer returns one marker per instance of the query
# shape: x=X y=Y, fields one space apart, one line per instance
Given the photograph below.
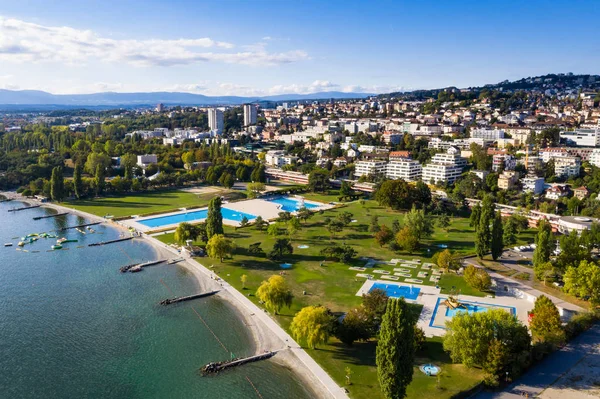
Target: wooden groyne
x=170 y=301
x=214 y=368
x=50 y=216
x=78 y=226
x=136 y=267
x=97 y=244
x=24 y=208
x=7 y=200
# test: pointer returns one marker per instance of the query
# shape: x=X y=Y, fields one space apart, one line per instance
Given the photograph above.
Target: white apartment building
x=215 y=120
x=279 y=158
x=487 y=134
x=374 y=167
x=582 y=137
x=552 y=153
x=404 y=168
x=250 y=114
x=567 y=166
x=505 y=161
x=533 y=184
x=595 y=157
x=444 y=167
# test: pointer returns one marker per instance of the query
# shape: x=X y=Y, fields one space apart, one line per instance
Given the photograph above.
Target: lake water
x=72 y=326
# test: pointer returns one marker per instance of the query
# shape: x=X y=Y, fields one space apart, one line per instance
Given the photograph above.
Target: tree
x=99 y=179
x=244 y=222
x=274 y=229
x=293 y=226
x=188 y=158
x=396 y=226
x=258 y=174
x=443 y=222
x=304 y=213
x=497 y=244
x=469 y=339
x=477 y=278
x=282 y=246
x=345 y=217
x=346 y=190
x=77 y=181
x=395 y=194
x=483 y=234
x=318 y=180
x=475 y=215
x=543 y=243
x=374 y=226
x=444 y=259
x=583 y=281
x=218 y=247
x=384 y=235
x=275 y=294
x=128 y=162
x=375 y=302
x=254 y=189
x=312 y=325
x=260 y=223
x=357 y=325
x=227 y=180
x=186 y=231
x=214 y=218
x=545 y=323
x=419 y=224
x=509 y=234
x=395 y=351
x=57 y=184
x=407 y=240
x=244 y=279
x=335 y=226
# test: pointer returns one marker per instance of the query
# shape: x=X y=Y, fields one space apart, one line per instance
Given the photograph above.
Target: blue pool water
x=469 y=309
x=397 y=291
x=289 y=204
x=194 y=216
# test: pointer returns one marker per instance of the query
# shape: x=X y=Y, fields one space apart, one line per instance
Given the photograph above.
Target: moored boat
x=56 y=246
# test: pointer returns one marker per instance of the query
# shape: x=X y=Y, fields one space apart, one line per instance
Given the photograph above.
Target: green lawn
x=335 y=286
x=142 y=203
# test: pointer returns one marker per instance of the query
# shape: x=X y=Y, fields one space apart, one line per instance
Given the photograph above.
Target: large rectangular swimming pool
x=397 y=291
x=289 y=204
x=194 y=216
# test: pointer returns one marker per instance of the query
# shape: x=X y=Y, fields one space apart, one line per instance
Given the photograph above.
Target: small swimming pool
x=194 y=216
x=397 y=291
x=289 y=204
x=470 y=308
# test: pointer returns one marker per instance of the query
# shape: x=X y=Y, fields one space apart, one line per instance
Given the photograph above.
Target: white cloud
x=22 y=41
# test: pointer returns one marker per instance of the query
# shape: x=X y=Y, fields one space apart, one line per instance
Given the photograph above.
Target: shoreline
x=265 y=332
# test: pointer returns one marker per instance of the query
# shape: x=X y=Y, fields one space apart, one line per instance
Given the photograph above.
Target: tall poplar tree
x=77 y=182
x=214 y=219
x=395 y=352
x=99 y=179
x=497 y=237
x=57 y=184
x=543 y=243
x=483 y=236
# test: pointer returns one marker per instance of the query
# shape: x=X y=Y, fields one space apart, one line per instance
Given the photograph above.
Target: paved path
x=327 y=382
x=552 y=368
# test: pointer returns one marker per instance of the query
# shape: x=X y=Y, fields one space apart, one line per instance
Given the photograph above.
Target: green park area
x=316 y=281
x=145 y=203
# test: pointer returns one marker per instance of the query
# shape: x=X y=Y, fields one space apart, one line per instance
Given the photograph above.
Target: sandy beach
x=267 y=334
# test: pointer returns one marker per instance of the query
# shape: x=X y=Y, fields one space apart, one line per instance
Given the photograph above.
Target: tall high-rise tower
x=250 y=114
x=215 y=120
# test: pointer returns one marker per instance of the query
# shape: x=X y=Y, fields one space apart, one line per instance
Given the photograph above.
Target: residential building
x=144 y=160
x=581 y=192
x=392 y=138
x=504 y=162
x=482 y=174
x=533 y=184
x=279 y=158
x=553 y=152
x=567 y=166
x=444 y=168
x=487 y=134
x=582 y=137
x=215 y=120
x=374 y=167
x=557 y=191
x=394 y=155
x=595 y=158
x=508 y=180
x=404 y=168
x=250 y=114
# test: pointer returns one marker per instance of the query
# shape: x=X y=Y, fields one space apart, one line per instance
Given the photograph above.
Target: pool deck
x=428 y=297
x=268 y=210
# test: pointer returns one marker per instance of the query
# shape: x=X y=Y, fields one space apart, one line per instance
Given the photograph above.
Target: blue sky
x=273 y=47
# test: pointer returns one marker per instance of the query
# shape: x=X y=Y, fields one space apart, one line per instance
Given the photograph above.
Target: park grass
x=332 y=284
x=143 y=203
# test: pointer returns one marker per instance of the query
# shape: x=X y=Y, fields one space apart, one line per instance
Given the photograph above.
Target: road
x=549 y=371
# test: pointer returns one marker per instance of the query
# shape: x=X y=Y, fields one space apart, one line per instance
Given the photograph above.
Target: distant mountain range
x=35 y=97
